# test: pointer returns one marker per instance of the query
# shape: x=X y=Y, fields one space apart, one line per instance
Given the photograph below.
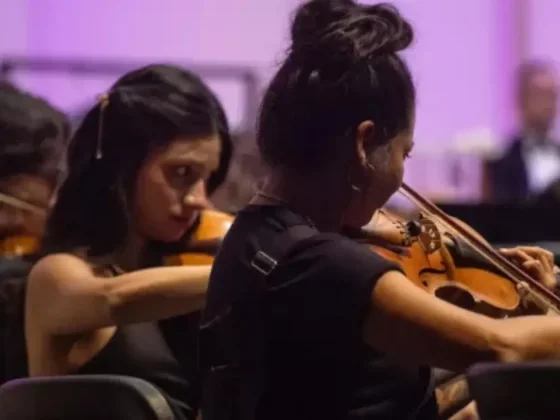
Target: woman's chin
x=170 y=236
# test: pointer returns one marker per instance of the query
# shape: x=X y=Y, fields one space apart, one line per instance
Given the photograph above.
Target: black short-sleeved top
x=316 y=365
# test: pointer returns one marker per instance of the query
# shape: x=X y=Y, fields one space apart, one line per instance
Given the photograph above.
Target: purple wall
x=463 y=48
x=13 y=26
x=463 y=59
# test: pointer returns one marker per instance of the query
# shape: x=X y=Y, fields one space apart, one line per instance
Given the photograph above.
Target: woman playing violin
x=139 y=170
x=301 y=322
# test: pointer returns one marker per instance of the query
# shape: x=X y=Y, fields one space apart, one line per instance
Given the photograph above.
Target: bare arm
x=415 y=327
x=65 y=297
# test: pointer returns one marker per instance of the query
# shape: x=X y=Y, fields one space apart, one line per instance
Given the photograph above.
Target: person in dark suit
x=531 y=163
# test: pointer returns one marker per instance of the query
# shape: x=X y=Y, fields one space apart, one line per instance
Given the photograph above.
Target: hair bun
x=326 y=31
x=313 y=19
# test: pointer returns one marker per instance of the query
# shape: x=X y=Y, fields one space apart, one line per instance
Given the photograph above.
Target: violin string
x=487 y=252
x=549 y=299
x=481 y=250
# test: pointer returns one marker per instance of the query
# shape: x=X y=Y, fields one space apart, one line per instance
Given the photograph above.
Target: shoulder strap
x=228 y=379
x=265 y=260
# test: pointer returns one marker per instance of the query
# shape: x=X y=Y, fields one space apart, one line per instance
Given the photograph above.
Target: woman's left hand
x=536 y=261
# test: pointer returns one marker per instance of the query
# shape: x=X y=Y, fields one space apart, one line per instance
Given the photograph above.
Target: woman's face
x=379 y=172
x=171 y=187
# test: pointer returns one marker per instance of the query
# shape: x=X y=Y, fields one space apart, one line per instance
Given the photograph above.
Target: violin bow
x=520 y=277
x=20 y=204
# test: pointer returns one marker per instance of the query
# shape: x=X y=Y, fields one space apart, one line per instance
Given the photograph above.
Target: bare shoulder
x=58 y=269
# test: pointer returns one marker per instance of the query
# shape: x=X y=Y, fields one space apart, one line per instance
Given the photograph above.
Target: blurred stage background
x=464 y=62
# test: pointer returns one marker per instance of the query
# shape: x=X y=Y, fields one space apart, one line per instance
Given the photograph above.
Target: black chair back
x=516 y=391
x=82 y=397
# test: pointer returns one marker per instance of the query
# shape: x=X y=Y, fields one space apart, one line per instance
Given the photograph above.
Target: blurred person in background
x=33 y=137
x=531 y=163
x=247 y=171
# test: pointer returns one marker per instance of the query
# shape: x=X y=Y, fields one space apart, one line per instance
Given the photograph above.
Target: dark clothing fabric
x=13 y=267
x=508 y=174
x=162 y=353
x=301 y=350
x=508 y=177
x=13 y=354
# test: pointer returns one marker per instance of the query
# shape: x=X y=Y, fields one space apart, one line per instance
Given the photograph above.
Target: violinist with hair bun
x=301 y=322
x=140 y=169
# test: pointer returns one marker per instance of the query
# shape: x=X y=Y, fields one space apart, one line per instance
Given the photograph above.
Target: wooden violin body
x=18 y=246
x=426 y=261
x=212 y=228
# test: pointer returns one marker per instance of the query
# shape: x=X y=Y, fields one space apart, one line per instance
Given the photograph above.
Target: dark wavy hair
x=33 y=135
x=342 y=68
x=146 y=109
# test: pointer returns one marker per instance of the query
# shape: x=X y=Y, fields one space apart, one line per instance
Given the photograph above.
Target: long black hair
x=144 y=110
x=33 y=135
x=342 y=68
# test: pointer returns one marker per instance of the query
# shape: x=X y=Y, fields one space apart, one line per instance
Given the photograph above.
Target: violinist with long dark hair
x=302 y=322
x=140 y=169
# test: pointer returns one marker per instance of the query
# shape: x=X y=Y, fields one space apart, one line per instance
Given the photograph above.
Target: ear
x=364 y=136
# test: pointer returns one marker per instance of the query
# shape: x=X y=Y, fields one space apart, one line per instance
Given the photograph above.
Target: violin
x=212 y=227
x=419 y=248
x=19 y=245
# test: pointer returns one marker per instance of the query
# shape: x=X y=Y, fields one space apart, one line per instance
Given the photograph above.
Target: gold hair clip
x=103 y=104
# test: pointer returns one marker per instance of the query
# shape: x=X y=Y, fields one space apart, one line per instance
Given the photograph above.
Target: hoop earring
x=354 y=187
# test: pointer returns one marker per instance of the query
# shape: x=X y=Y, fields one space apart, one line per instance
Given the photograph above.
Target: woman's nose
x=196 y=198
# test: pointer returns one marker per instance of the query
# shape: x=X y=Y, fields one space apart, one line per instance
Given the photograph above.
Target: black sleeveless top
x=163 y=353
